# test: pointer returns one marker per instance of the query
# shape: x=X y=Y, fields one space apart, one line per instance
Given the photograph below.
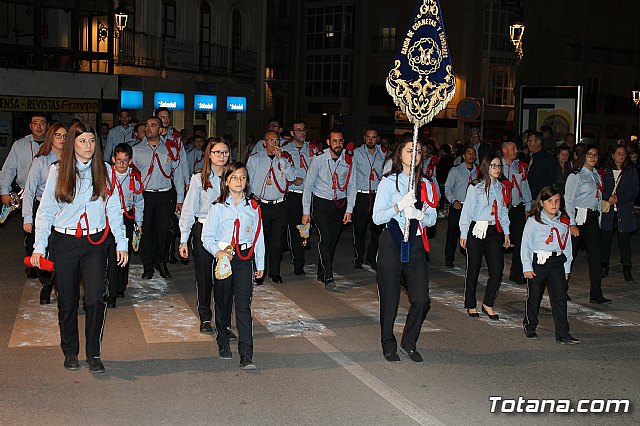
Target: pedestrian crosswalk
x=164 y=316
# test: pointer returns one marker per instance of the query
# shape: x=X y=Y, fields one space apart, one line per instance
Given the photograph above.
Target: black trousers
x=491 y=248
x=118 y=276
x=517 y=220
x=416 y=276
x=294 y=239
x=624 y=243
x=174 y=229
x=591 y=237
x=362 y=219
x=77 y=258
x=45 y=277
x=328 y=216
x=453 y=234
x=156 y=223
x=551 y=275
x=275 y=218
x=235 y=290
x=203 y=263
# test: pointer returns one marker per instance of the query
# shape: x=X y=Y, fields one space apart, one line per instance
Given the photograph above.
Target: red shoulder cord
x=561 y=242
x=494 y=212
x=176 y=143
x=523 y=169
x=470 y=178
x=236 y=233
x=373 y=174
x=134 y=175
x=303 y=161
x=600 y=186
x=272 y=173
x=431 y=167
x=336 y=181
x=506 y=192
x=86 y=221
x=432 y=203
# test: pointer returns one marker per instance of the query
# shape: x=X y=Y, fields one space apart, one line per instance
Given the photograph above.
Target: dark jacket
x=543 y=171
x=627 y=191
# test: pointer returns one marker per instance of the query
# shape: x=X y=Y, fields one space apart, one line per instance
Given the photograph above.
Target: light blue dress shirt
x=268 y=176
x=536 y=235
x=581 y=190
x=117 y=135
x=131 y=199
x=66 y=215
x=36 y=181
x=320 y=182
x=17 y=164
x=368 y=167
x=197 y=203
x=477 y=208
x=388 y=195
x=195 y=160
x=512 y=173
x=458 y=180
x=219 y=227
x=301 y=161
x=143 y=156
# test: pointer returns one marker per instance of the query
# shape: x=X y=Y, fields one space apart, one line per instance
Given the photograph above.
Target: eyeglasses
x=495 y=166
x=592 y=155
x=220 y=153
x=59 y=135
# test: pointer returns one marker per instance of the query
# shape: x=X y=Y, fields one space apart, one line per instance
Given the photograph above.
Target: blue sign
x=205 y=102
x=236 y=104
x=131 y=99
x=168 y=100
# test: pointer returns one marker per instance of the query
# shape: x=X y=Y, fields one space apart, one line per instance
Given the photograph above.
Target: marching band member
x=17 y=165
x=583 y=197
x=368 y=160
x=332 y=191
x=270 y=171
x=483 y=219
x=76 y=205
x=129 y=184
x=395 y=203
x=196 y=155
x=204 y=189
x=159 y=172
x=519 y=203
x=455 y=190
x=50 y=152
x=546 y=261
x=122 y=133
x=233 y=228
x=301 y=152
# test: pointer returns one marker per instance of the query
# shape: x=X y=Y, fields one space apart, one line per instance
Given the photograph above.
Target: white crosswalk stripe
x=35 y=324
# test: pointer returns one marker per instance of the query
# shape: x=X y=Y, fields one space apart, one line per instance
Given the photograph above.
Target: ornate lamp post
x=516 y=31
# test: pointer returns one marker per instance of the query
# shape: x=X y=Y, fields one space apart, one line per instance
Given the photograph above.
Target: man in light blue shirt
x=331 y=186
x=122 y=133
x=368 y=160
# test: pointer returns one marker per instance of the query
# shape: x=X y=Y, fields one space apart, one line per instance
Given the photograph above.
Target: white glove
x=407 y=199
x=581 y=215
x=480 y=229
x=410 y=212
x=542 y=256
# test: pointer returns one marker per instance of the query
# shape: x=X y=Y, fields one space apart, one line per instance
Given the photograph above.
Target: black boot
x=626 y=272
x=605 y=270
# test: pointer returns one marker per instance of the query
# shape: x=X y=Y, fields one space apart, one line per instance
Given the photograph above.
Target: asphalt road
x=318 y=354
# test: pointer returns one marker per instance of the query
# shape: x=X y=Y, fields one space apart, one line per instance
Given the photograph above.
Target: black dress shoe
x=568 y=341
x=225 y=352
x=162 y=268
x=299 y=271
x=71 y=362
x=276 y=278
x=259 y=281
x=411 y=353
x=205 y=327
x=494 y=317
x=120 y=294
x=391 y=356
x=531 y=335
x=357 y=266
x=448 y=264
x=626 y=273
x=600 y=301
x=111 y=302
x=517 y=279
x=472 y=314
x=247 y=364
x=147 y=275
x=330 y=285
x=95 y=365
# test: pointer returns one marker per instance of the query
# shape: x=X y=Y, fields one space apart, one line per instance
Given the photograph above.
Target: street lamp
x=121 y=15
x=516 y=31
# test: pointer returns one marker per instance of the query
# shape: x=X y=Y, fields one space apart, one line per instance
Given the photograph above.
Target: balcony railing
x=144 y=50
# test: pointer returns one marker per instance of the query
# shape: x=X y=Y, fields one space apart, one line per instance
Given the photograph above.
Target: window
x=56 y=28
x=502 y=80
x=169 y=18
x=205 y=34
x=328 y=76
x=236 y=31
x=329 y=27
x=388 y=39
